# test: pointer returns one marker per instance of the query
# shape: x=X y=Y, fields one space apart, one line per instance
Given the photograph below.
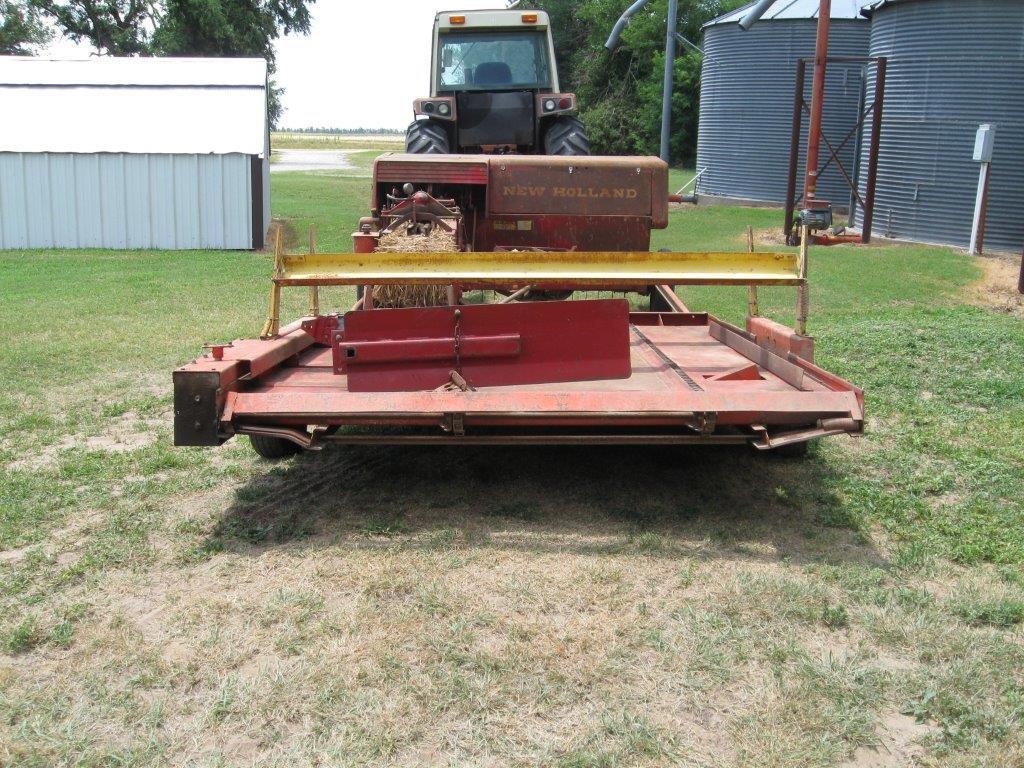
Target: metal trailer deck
x=693 y=379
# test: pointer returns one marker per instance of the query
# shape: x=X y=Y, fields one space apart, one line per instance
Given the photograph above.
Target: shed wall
x=746 y=107
x=953 y=64
x=118 y=200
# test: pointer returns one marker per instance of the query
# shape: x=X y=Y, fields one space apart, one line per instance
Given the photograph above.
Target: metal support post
x=876 y=136
x=794 y=148
x=314 y=290
x=273 y=323
x=803 y=298
x=980 y=212
x=752 y=308
x=666 y=94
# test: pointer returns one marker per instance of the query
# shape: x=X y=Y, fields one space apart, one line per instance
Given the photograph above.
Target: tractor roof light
x=456 y=19
x=529 y=18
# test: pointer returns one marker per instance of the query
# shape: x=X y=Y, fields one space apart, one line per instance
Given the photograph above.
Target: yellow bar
x=516 y=268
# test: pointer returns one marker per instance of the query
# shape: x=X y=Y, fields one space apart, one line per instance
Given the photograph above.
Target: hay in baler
x=397 y=296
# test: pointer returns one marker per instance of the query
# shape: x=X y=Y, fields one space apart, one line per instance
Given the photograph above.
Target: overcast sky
x=363 y=62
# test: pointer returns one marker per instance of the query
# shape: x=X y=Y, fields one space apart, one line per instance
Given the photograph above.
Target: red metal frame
x=693 y=379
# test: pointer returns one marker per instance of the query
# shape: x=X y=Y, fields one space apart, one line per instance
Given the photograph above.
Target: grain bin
x=746 y=99
x=953 y=65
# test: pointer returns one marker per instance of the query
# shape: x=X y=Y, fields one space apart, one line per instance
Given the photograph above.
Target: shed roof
x=134 y=105
x=796 y=9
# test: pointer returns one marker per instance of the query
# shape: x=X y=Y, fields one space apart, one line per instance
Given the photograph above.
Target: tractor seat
x=492 y=73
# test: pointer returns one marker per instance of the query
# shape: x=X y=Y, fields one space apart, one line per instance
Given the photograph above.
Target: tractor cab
x=494 y=89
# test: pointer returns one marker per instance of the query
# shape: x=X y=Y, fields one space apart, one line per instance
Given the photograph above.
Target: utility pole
x=817 y=102
x=670 y=61
x=666 y=93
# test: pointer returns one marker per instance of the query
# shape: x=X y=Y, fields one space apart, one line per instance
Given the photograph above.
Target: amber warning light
x=529 y=18
x=456 y=19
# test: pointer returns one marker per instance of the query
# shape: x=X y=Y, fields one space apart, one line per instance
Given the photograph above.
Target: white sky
x=363 y=62
x=361 y=66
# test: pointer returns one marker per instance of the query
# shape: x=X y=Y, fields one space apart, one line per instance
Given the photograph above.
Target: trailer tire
x=427 y=137
x=273 y=448
x=566 y=136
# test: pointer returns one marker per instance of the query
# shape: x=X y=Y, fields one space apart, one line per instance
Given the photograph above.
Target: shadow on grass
x=601 y=500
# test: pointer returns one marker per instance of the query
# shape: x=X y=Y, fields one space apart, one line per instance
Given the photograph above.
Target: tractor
x=494 y=89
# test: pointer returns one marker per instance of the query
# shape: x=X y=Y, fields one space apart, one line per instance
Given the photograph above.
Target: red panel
x=557 y=341
x=577 y=233
x=427 y=170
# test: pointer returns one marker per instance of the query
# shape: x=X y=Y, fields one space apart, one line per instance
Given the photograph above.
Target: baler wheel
x=273 y=448
x=427 y=137
x=566 y=136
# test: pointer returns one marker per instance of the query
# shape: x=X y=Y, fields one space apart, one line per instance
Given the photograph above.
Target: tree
x=232 y=28
x=21 y=29
x=115 y=27
x=182 y=27
x=620 y=92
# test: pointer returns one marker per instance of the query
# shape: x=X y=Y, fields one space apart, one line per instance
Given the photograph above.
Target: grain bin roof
x=796 y=9
x=874 y=5
x=134 y=105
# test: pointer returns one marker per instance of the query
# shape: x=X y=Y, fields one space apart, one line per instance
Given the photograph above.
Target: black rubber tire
x=427 y=137
x=273 y=448
x=566 y=136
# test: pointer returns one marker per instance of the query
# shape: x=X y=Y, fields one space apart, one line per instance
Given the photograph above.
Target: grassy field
x=543 y=606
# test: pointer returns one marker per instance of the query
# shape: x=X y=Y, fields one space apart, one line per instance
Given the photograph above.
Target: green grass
x=548 y=606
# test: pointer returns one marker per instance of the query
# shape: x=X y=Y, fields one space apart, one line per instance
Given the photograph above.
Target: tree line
x=620 y=93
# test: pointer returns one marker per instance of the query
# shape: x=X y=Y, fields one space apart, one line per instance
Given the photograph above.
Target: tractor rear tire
x=273 y=448
x=566 y=136
x=427 y=137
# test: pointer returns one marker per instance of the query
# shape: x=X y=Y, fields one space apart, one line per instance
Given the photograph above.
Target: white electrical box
x=984 y=142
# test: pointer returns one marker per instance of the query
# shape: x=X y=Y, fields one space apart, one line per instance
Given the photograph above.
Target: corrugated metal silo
x=953 y=65
x=746 y=99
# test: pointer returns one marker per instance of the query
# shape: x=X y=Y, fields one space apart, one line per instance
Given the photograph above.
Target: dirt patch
x=289 y=234
x=772 y=236
x=898 y=737
x=127 y=433
x=997 y=287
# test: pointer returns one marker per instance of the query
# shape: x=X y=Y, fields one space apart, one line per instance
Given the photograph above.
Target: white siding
x=117 y=200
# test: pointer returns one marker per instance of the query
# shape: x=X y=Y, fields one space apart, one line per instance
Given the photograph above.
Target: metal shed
x=953 y=65
x=166 y=153
x=746 y=99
